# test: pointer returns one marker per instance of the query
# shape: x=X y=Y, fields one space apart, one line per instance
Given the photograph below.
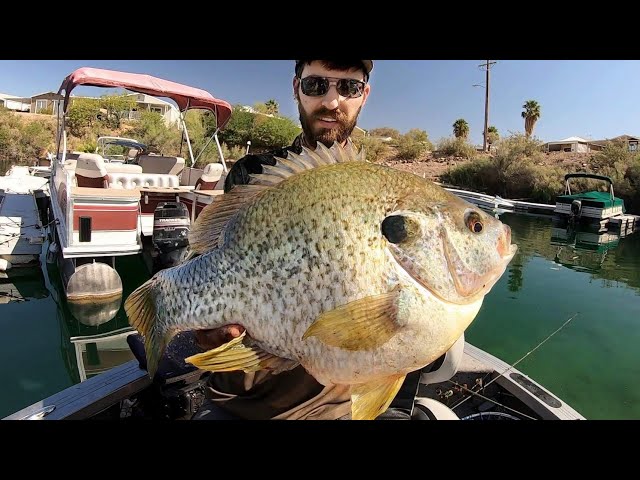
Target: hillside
x=431 y=165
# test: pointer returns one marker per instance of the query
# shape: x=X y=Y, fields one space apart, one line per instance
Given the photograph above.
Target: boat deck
x=21 y=232
x=496 y=386
x=484 y=383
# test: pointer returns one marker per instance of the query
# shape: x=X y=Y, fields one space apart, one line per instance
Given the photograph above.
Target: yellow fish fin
x=368 y=400
x=141 y=312
x=359 y=325
x=235 y=355
x=206 y=231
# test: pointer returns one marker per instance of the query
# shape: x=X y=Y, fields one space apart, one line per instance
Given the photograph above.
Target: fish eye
x=474 y=222
x=394 y=228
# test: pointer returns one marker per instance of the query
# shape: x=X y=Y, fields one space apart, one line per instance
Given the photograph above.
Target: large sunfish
x=359 y=272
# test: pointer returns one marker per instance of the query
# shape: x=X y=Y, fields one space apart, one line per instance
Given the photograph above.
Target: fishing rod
x=483 y=385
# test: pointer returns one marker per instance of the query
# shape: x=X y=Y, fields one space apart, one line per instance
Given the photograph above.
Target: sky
x=593 y=99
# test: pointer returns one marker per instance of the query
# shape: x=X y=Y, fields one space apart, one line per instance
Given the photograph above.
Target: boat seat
x=91 y=171
x=122 y=168
x=70 y=164
x=130 y=181
x=210 y=177
x=72 y=155
x=161 y=164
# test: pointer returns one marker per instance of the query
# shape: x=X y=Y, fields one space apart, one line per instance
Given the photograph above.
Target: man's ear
x=296 y=83
x=367 y=90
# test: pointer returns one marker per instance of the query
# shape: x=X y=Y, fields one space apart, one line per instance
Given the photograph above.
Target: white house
x=14 y=103
x=573 y=144
x=49 y=102
x=168 y=110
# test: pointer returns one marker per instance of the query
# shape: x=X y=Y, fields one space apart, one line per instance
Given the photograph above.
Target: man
x=330 y=95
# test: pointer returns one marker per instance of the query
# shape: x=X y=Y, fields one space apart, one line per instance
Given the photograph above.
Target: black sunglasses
x=319 y=86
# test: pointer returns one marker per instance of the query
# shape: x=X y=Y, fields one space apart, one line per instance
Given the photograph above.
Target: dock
x=625 y=224
x=496 y=201
x=21 y=231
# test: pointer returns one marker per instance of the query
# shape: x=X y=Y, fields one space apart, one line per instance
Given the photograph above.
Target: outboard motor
x=170 y=237
x=576 y=208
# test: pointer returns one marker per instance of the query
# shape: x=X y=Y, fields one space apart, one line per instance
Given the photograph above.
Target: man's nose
x=332 y=98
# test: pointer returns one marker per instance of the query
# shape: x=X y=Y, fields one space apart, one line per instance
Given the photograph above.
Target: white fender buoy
x=5 y=265
x=94 y=293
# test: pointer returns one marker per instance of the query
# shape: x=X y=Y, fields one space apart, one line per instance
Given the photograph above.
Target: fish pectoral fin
x=360 y=325
x=235 y=355
x=368 y=400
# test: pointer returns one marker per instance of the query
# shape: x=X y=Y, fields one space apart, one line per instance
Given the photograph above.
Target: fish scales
x=359 y=272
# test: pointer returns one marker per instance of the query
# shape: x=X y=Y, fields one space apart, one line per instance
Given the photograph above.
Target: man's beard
x=326 y=136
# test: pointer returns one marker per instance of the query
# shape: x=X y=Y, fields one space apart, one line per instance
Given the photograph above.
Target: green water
x=37 y=357
x=592 y=363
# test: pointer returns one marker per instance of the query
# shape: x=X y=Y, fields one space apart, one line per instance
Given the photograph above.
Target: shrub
x=457 y=147
x=375 y=150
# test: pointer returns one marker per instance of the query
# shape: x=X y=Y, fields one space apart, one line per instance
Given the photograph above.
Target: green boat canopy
x=587 y=175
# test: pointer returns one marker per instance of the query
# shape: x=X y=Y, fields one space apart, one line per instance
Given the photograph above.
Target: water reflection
x=94 y=312
x=93 y=335
x=21 y=285
x=606 y=255
x=582 y=251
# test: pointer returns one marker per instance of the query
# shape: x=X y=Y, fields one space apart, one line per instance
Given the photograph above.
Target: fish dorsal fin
x=307 y=160
x=207 y=231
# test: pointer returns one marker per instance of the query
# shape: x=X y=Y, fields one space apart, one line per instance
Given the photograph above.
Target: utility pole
x=487 y=66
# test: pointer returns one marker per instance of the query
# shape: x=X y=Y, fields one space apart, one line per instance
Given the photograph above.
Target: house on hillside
x=11 y=102
x=46 y=103
x=50 y=102
x=580 y=145
x=149 y=103
x=574 y=144
x=629 y=140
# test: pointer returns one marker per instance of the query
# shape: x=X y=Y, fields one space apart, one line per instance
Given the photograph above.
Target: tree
x=492 y=135
x=272 y=107
x=82 y=113
x=385 y=132
x=461 y=128
x=117 y=107
x=531 y=114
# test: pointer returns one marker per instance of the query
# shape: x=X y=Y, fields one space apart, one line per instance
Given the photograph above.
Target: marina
x=104 y=207
x=109 y=377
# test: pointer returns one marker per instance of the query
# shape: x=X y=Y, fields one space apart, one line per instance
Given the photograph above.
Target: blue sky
x=588 y=98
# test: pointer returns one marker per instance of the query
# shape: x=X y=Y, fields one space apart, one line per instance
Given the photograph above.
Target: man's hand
x=213 y=338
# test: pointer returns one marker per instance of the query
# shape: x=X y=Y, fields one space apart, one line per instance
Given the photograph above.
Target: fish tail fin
x=141 y=311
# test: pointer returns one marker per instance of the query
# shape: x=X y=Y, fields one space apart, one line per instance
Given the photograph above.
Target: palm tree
x=531 y=115
x=272 y=107
x=492 y=135
x=461 y=128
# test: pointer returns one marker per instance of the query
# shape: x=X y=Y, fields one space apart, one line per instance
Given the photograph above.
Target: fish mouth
x=398 y=256
x=469 y=284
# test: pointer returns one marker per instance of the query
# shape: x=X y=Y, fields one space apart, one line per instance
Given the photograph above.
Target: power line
x=487 y=66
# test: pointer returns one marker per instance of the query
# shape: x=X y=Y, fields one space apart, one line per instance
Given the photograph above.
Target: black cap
x=368 y=65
